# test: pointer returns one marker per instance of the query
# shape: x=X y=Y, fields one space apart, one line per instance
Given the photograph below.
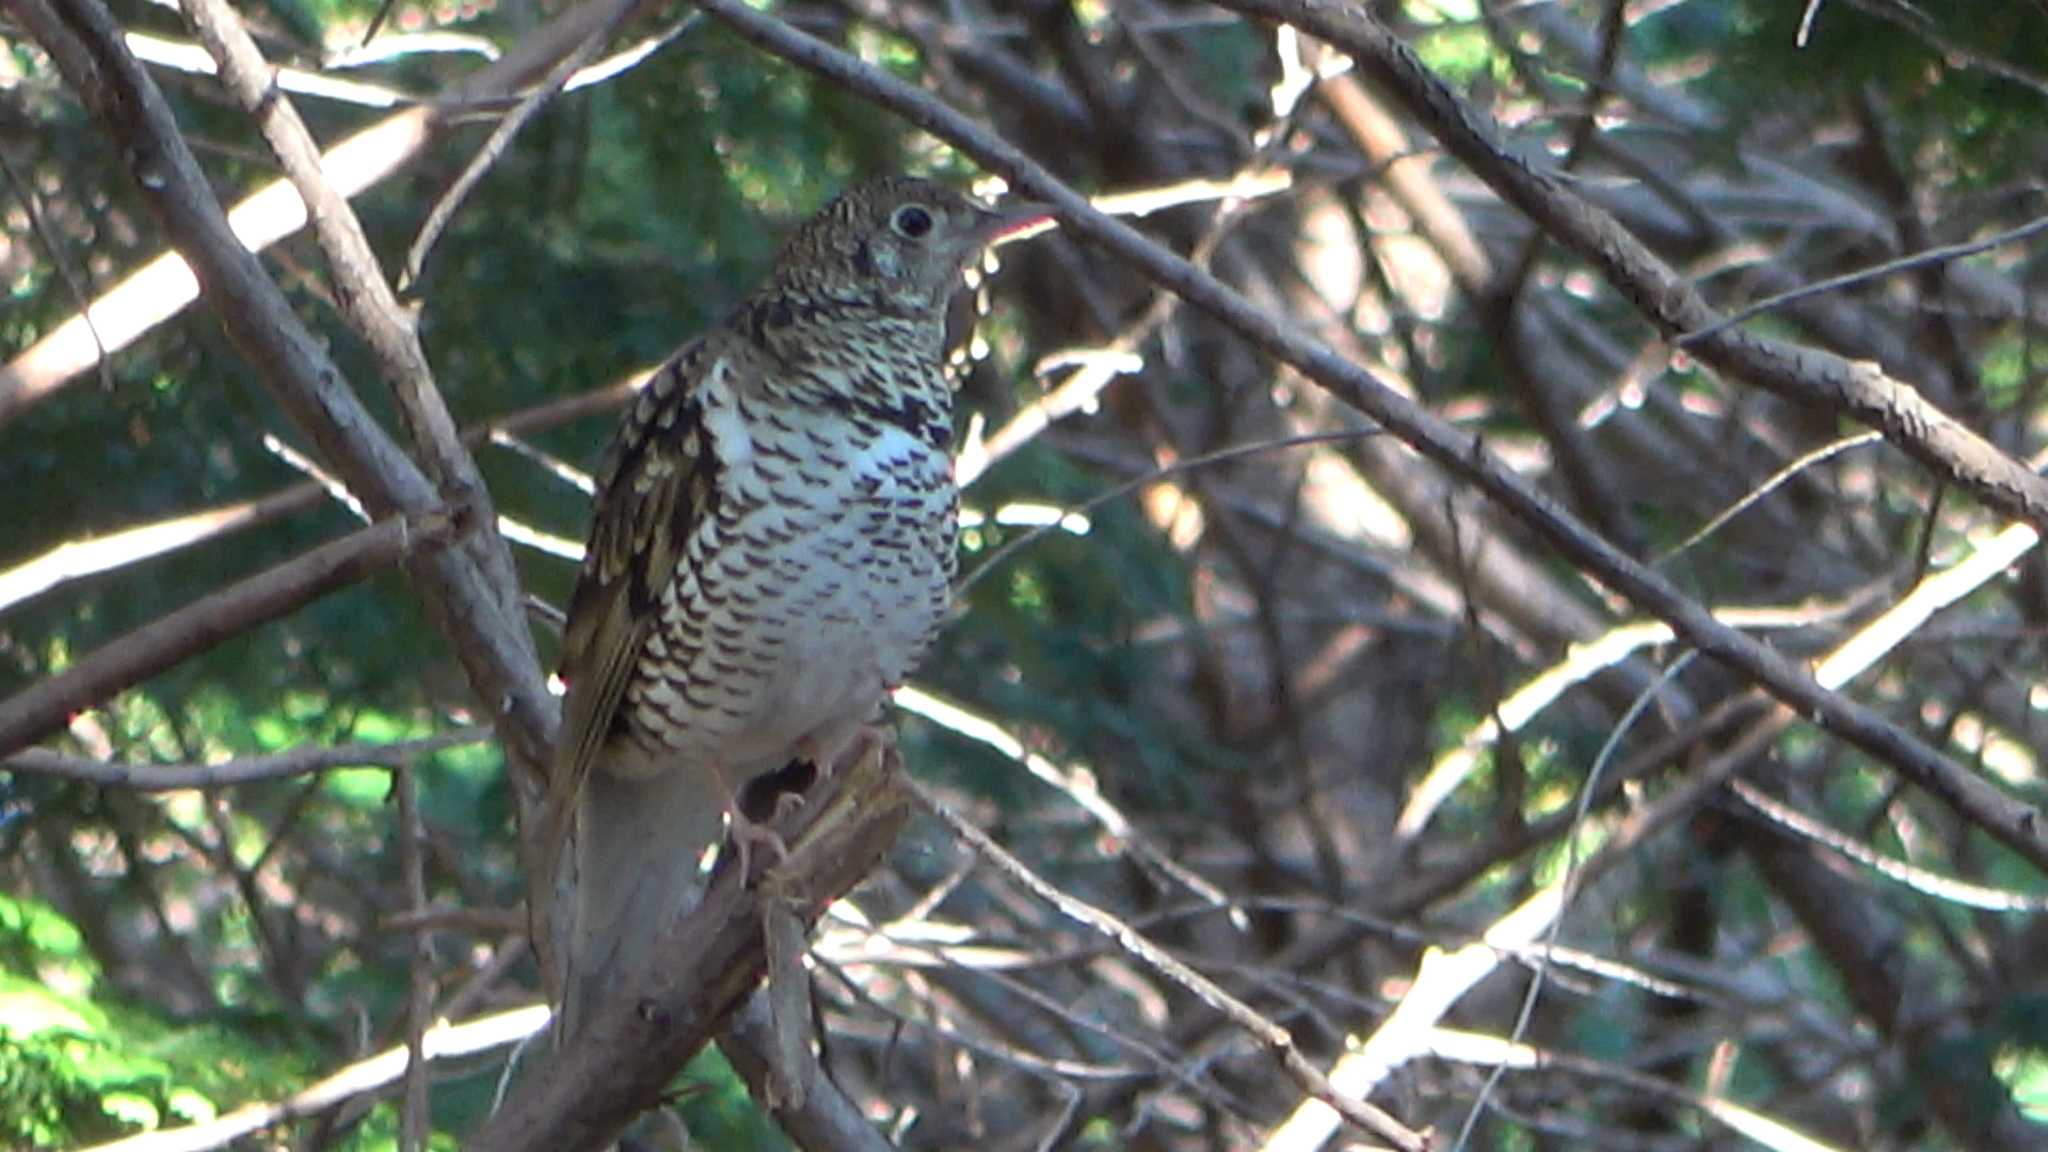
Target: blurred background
x=1231 y=664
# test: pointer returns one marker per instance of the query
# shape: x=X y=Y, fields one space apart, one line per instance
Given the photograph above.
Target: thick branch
x=370 y=305
x=490 y=641
x=825 y=1119
x=583 y=1095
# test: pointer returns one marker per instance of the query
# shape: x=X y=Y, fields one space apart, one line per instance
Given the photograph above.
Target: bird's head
x=904 y=239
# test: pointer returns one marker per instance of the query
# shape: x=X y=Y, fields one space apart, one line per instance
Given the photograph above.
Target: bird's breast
x=820 y=586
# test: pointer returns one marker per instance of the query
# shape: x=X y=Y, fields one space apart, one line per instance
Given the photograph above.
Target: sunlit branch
x=444 y=1041
x=241 y=770
x=43 y=707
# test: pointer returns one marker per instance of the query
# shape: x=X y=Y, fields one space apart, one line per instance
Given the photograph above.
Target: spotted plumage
x=771 y=550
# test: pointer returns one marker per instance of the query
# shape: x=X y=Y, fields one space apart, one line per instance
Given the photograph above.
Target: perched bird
x=772 y=549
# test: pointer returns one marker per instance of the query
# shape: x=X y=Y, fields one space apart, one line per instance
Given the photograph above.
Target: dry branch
x=76 y=559
x=79 y=558
x=826 y=1121
x=1862 y=942
x=375 y=1074
x=1275 y=1040
x=245 y=770
x=579 y=1097
x=43 y=707
x=1806 y=375
x=369 y=303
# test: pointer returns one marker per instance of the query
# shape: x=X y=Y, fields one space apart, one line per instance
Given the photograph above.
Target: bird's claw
x=747 y=833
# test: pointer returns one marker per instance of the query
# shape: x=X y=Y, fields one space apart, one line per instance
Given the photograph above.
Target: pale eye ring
x=912 y=221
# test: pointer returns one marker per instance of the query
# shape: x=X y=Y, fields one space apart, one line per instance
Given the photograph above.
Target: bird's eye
x=911 y=220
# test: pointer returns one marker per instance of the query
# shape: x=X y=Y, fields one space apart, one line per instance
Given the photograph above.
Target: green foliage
x=1953 y=99
x=1452 y=42
x=87 y=1065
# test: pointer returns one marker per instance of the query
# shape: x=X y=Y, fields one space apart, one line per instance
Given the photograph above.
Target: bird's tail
x=638 y=845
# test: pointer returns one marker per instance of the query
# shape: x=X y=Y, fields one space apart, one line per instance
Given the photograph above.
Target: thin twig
x=500 y=140
x=416 y=1117
x=1916 y=261
x=76 y=279
x=1076 y=785
x=1921 y=880
x=1770 y=484
x=1277 y=1041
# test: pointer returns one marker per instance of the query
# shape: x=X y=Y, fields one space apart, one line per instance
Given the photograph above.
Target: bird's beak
x=1013 y=222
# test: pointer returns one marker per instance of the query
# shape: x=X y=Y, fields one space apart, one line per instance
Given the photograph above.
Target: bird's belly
x=856 y=626
x=813 y=616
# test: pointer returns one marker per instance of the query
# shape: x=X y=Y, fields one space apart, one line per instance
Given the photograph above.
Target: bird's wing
x=656 y=488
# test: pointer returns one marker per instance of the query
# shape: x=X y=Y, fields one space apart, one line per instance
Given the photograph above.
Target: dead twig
x=43 y=707
x=243 y=770
x=1277 y=1041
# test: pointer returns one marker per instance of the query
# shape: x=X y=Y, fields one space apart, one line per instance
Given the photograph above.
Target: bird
x=771 y=552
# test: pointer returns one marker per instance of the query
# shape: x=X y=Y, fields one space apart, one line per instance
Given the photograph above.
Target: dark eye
x=911 y=220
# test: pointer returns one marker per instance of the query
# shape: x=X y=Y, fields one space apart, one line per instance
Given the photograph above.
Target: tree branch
x=43 y=707
x=581 y=1096
x=1277 y=1041
x=163 y=286
x=474 y=609
x=368 y=302
x=1806 y=375
x=245 y=770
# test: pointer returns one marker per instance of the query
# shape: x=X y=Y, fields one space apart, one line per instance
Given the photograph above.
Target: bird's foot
x=747 y=833
x=744 y=831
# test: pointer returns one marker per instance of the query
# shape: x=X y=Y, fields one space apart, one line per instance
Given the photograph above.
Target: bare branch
x=1861 y=390
x=78 y=558
x=636 y=1039
x=87 y=557
x=245 y=770
x=373 y=310
x=43 y=707
x=376 y=1074
x=163 y=286
x=1912 y=262
x=1277 y=1041
x=416 y=1120
x=475 y=598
